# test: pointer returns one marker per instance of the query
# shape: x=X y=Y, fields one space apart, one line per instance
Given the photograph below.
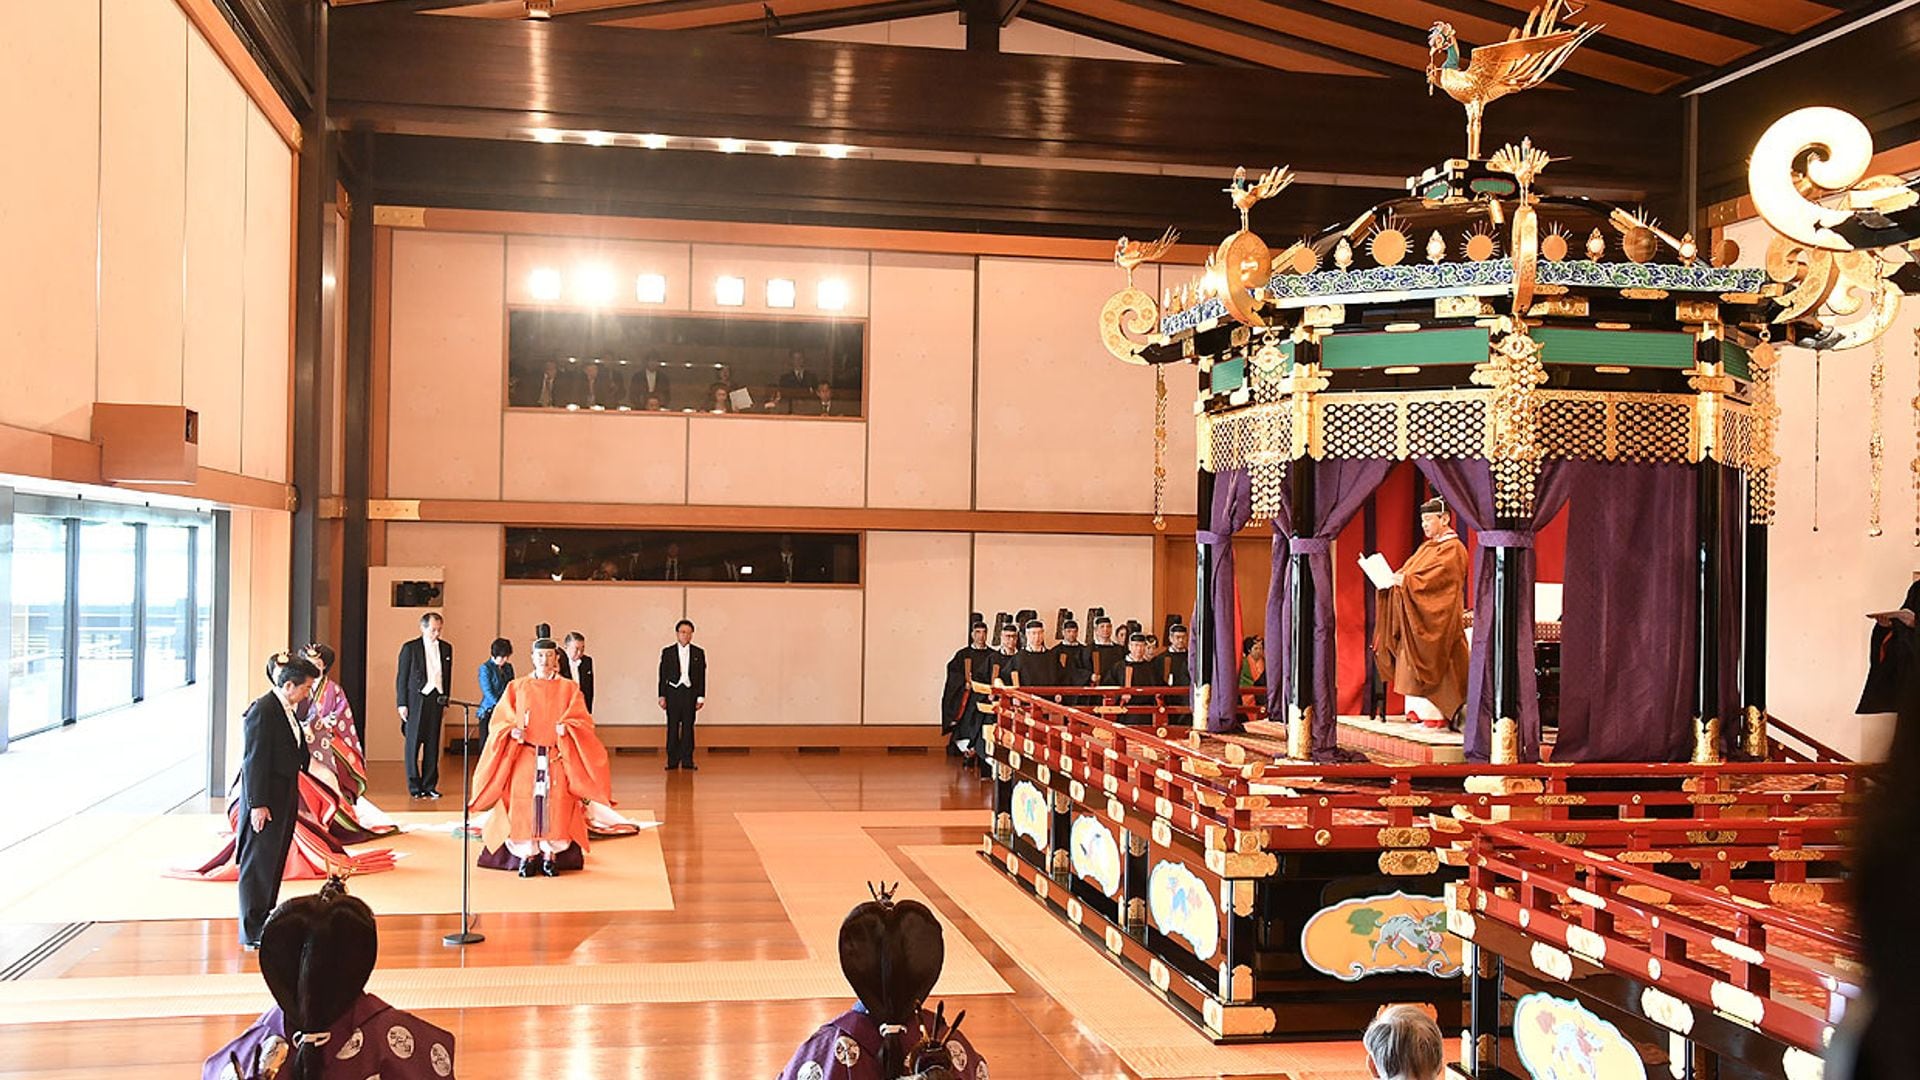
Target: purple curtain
x=1232 y=508
x=1340 y=489
x=1467 y=486
x=1627 y=646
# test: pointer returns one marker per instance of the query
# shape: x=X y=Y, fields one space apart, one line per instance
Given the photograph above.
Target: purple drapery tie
x=1505 y=538
x=1309 y=545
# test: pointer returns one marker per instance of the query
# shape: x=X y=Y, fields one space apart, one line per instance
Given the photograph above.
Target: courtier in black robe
x=1893 y=660
x=969 y=665
x=1104 y=654
x=1134 y=670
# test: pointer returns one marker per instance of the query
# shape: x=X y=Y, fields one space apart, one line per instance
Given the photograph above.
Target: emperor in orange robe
x=541 y=764
x=1420 y=638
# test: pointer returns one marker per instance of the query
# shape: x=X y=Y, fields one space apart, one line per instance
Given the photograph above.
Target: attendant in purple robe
x=892 y=954
x=316 y=954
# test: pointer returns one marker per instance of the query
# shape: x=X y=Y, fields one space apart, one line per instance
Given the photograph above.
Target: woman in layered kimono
x=332 y=811
x=316 y=954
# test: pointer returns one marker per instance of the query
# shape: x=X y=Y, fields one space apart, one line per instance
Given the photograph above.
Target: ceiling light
x=654 y=142
x=781 y=149
x=730 y=146
x=546 y=135
x=597 y=138
x=834 y=150
x=730 y=291
x=539 y=9
x=544 y=284
x=650 y=289
x=594 y=285
x=780 y=292
x=832 y=295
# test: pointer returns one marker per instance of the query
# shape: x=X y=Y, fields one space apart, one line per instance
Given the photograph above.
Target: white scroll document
x=1377 y=570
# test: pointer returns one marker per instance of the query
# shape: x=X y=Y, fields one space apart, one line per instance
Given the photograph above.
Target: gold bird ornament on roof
x=1529 y=57
x=1245 y=196
x=1128 y=254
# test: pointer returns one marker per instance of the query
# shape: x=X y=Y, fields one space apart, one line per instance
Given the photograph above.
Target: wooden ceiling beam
x=1690 y=14
x=863 y=15
x=1128 y=38
x=1126 y=10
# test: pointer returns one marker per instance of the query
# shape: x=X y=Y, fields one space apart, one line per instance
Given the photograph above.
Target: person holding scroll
x=1420 y=640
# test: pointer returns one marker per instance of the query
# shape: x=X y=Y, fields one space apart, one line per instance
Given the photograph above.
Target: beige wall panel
x=917 y=590
x=50 y=72
x=216 y=251
x=1048 y=572
x=447 y=347
x=244 y=681
x=1820 y=584
x=1048 y=387
x=807 y=268
x=268 y=330
x=626 y=626
x=585 y=265
x=920 y=382
x=258 y=585
x=778 y=655
x=471 y=556
x=742 y=461
x=143 y=197
x=595 y=457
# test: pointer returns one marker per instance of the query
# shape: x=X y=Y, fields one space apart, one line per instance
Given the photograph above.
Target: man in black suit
x=683 y=692
x=575 y=664
x=420 y=690
x=270 y=768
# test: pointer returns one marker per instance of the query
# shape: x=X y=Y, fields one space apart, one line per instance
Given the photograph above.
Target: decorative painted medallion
x=1560 y=1040
x=1180 y=906
x=1030 y=813
x=1375 y=935
x=1096 y=854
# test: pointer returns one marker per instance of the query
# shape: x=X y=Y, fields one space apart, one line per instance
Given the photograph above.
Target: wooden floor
x=724 y=909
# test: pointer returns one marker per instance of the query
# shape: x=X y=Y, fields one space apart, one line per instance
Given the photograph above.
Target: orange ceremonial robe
x=576 y=764
x=1420 y=638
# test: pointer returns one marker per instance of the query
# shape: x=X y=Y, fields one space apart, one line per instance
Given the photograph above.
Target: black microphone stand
x=466 y=936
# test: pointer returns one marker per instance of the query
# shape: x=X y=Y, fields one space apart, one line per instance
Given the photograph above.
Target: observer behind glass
x=270 y=768
x=420 y=691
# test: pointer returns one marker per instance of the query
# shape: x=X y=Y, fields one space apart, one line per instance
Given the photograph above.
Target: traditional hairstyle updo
x=285 y=669
x=323 y=653
x=316 y=954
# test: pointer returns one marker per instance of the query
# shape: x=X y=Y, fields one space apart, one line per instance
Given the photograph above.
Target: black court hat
x=1103 y=619
x=1138 y=638
x=1035 y=624
x=1434 y=505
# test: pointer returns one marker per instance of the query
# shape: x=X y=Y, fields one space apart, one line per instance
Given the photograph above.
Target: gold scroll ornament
x=1130 y=316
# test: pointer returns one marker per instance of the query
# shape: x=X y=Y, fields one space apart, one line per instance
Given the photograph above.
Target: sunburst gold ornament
x=1305 y=259
x=1436 y=247
x=1689 y=251
x=1388 y=244
x=1640 y=244
x=1596 y=245
x=1726 y=253
x=1554 y=245
x=1479 y=245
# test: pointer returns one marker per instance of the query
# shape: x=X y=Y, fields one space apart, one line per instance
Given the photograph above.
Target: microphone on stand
x=466 y=935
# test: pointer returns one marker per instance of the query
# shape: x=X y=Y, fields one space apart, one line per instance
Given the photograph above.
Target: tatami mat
x=112 y=869
x=1112 y=1007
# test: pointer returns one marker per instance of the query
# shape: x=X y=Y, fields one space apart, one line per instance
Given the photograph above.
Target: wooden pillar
x=1480 y=1052
x=1300 y=673
x=312 y=224
x=1707 y=563
x=1753 y=644
x=1505 y=646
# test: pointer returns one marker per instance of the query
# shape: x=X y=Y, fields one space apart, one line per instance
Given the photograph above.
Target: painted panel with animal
x=1376 y=935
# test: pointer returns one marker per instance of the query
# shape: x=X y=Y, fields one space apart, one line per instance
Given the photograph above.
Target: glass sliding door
x=170 y=621
x=107 y=595
x=38 y=676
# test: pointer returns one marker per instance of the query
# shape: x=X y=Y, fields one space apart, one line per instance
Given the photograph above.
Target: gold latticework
x=1574 y=427
x=1451 y=425
x=1734 y=444
x=1649 y=427
x=1159 y=447
x=1359 y=429
x=1761 y=458
x=1876 y=436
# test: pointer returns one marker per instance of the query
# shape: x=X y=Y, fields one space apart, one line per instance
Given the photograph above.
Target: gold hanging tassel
x=1160 y=447
x=1914 y=468
x=1816 y=440
x=1876 y=437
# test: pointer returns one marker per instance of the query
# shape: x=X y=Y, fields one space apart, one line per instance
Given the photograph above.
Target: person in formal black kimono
x=957 y=699
x=274 y=756
x=1135 y=670
x=1105 y=651
x=1071 y=657
x=1035 y=666
x=575 y=664
x=1174 y=670
x=1893 y=658
x=1000 y=666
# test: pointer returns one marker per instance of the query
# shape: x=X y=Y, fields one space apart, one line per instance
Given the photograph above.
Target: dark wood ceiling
x=1649 y=46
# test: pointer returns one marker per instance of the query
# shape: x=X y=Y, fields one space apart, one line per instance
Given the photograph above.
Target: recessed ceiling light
x=781 y=149
x=544 y=283
x=730 y=146
x=729 y=291
x=650 y=289
x=780 y=292
x=654 y=142
x=594 y=285
x=835 y=150
x=597 y=138
x=546 y=135
x=539 y=9
x=832 y=295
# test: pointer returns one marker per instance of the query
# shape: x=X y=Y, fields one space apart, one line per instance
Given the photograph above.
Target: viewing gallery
x=923 y=540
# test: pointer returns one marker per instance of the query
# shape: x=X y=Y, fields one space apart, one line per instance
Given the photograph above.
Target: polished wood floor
x=724 y=909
